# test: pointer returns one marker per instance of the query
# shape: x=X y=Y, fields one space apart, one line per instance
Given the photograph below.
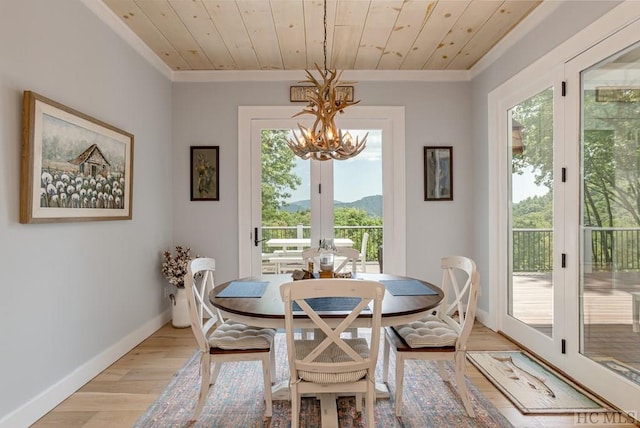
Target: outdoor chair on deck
x=442 y=336
x=362 y=257
x=223 y=341
x=332 y=364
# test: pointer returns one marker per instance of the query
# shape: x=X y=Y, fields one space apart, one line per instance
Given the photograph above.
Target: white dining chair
x=332 y=364
x=223 y=341
x=344 y=257
x=442 y=336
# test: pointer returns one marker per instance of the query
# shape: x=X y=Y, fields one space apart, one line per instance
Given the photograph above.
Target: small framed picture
x=205 y=173
x=438 y=173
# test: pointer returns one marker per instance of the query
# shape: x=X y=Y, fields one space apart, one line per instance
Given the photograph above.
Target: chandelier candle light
x=325 y=140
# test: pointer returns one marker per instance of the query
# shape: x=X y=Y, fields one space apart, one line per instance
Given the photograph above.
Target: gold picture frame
x=74 y=167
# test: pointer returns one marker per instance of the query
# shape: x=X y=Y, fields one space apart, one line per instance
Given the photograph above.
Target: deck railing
x=354 y=233
x=605 y=249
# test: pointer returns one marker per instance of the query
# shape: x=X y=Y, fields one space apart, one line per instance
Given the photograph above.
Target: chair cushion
x=430 y=331
x=233 y=335
x=333 y=354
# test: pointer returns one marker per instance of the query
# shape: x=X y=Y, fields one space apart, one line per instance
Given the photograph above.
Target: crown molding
x=298 y=75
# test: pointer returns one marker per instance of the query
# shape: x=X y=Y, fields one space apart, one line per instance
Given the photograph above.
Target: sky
x=354 y=178
x=523 y=186
x=362 y=176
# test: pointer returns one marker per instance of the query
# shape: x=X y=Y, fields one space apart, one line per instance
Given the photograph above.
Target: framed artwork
x=205 y=173
x=74 y=167
x=438 y=173
x=302 y=93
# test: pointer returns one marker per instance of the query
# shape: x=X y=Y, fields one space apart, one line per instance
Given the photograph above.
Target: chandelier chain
x=324 y=45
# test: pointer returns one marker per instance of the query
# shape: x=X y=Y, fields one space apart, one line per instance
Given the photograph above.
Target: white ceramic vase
x=180 y=309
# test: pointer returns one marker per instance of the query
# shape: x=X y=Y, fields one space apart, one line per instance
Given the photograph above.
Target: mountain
x=371 y=204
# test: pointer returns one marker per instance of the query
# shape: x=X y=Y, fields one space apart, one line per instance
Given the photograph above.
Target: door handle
x=256 y=241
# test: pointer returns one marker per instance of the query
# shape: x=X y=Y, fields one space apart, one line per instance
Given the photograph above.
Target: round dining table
x=405 y=300
x=267 y=310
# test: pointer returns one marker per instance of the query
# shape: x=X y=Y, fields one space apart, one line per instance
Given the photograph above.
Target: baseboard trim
x=42 y=403
x=486 y=319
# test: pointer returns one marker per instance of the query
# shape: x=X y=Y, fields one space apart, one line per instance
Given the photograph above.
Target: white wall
x=77 y=295
x=567 y=19
x=436 y=113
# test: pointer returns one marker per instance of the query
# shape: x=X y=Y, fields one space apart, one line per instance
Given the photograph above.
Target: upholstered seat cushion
x=430 y=331
x=333 y=354
x=233 y=335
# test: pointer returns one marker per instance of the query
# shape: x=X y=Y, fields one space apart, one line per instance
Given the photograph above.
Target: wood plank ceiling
x=289 y=34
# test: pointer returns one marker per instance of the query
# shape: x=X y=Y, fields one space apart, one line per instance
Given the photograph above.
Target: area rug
x=620 y=368
x=237 y=400
x=532 y=386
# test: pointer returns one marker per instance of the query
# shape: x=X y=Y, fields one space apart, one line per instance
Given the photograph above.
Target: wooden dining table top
x=268 y=310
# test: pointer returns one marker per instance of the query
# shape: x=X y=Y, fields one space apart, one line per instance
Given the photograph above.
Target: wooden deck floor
x=606 y=304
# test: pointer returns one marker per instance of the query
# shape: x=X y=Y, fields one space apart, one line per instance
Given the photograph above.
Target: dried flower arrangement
x=174 y=268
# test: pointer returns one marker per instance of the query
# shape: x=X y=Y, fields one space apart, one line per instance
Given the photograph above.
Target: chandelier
x=324 y=140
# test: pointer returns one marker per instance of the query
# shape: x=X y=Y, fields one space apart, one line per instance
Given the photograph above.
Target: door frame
x=388 y=118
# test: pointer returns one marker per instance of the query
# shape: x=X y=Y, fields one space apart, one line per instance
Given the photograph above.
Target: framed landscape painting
x=74 y=167
x=205 y=173
x=438 y=173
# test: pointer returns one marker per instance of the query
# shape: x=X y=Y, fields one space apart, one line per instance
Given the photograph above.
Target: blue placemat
x=407 y=287
x=244 y=289
x=326 y=304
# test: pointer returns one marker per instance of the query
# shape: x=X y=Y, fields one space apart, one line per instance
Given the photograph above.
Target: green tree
x=611 y=155
x=278 y=178
x=354 y=217
x=534 y=213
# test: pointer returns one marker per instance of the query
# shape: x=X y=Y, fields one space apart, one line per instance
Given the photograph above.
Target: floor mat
x=532 y=386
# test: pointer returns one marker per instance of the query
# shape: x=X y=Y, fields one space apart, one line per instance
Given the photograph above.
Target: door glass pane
x=357 y=192
x=531 y=212
x=285 y=203
x=609 y=293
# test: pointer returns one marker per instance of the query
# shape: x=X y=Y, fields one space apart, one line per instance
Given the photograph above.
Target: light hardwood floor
x=118 y=396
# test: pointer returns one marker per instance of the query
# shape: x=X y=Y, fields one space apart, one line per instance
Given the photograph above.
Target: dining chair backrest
x=310 y=254
x=343 y=257
x=454 y=310
x=346 y=256
x=364 y=292
x=198 y=283
x=331 y=362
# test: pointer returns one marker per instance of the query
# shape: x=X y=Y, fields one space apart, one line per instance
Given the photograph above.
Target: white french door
x=386 y=122
x=603 y=231
x=531 y=155
x=568 y=146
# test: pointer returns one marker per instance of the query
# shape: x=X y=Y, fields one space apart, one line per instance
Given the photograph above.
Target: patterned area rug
x=237 y=400
x=532 y=386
